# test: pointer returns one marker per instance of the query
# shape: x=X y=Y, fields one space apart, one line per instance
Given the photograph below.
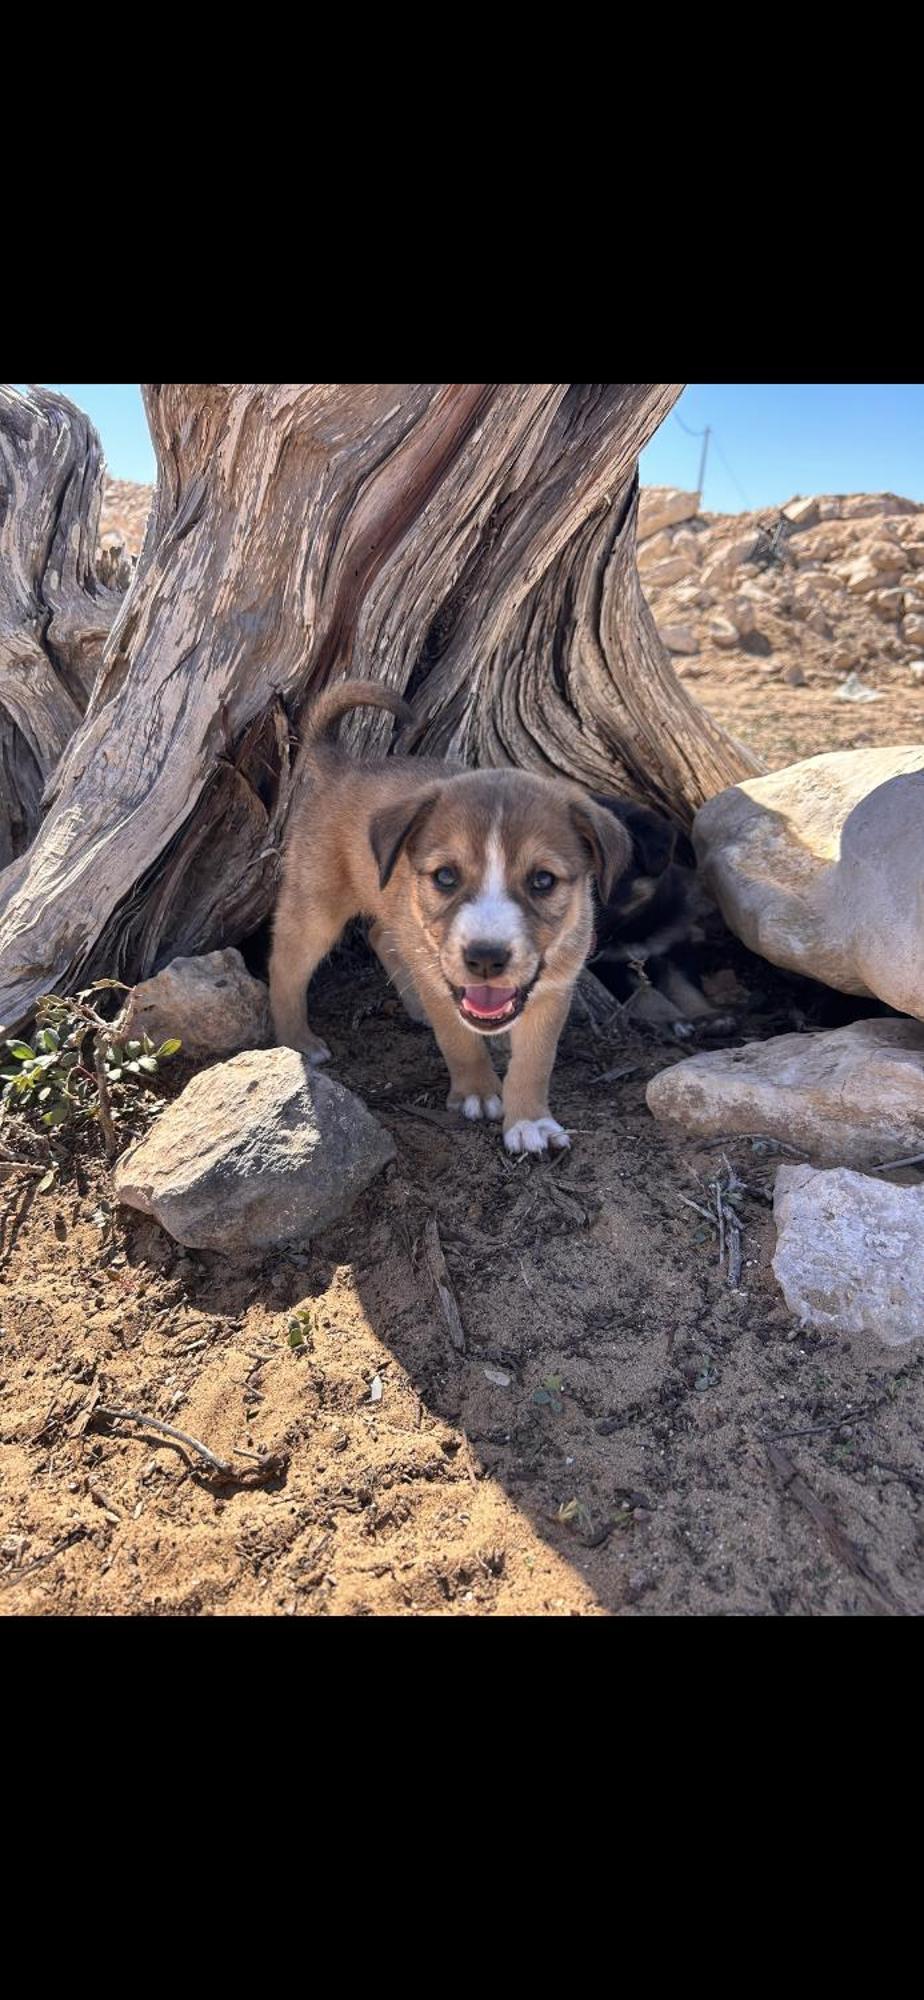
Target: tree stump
x=471 y=544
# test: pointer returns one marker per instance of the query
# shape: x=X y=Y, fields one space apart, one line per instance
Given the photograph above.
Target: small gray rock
x=850 y=1253
x=256 y=1153
x=212 y=1003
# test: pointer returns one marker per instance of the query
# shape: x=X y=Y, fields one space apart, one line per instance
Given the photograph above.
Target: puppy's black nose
x=487 y=960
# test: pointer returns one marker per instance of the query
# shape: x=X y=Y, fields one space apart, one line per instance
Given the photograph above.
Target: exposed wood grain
x=55 y=612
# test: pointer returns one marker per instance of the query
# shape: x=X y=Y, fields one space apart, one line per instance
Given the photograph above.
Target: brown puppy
x=479 y=885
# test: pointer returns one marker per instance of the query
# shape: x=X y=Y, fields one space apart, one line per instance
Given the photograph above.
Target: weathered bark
x=471 y=544
x=55 y=612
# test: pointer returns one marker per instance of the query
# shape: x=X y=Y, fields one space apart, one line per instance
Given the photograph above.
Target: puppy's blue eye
x=446 y=879
x=541 y=882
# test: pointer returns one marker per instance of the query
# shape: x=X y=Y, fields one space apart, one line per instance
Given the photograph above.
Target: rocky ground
x=625 y=1431
x=630 y=1426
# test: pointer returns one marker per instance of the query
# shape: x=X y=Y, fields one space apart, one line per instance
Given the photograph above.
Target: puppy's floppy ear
x=608 y=841
x=653 y=837
x=391 y=829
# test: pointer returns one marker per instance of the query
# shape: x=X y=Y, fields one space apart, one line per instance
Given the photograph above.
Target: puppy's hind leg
x=301 y=938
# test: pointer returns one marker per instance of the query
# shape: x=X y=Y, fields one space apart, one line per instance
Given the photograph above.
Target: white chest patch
x=491 y=914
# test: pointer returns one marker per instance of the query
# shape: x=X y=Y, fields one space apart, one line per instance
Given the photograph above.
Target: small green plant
x=75 y=1069
x=549 y=1394
x=301 y=1327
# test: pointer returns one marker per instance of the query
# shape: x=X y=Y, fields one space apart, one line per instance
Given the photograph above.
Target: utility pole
x=702 y=463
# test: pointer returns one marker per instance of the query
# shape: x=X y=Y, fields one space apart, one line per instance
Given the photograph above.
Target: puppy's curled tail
x=320 y=726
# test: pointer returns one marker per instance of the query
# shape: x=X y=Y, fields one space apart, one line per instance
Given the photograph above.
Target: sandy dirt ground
x=624 y=1432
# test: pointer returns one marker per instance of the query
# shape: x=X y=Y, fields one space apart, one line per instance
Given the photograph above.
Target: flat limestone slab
x=851 y=1097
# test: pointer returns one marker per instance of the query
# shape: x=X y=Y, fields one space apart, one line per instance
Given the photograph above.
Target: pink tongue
x=488 y=1000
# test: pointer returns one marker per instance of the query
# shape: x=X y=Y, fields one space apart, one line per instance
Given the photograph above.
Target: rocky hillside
x=803 y=627
x=125 y=512
x=834 y=583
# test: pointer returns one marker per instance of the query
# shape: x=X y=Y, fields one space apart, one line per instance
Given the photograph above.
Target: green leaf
x=148 y=1063
x=21 y=1051
x=296 y=1334
x=49 y=1039
x=169 y=1048
x=56 y=1115
x=114 y=1075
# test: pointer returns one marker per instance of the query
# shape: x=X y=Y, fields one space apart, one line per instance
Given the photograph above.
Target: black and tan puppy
x=649 y=926
x=479 y=885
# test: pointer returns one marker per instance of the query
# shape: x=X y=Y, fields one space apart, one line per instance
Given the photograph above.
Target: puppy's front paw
x=474 y=1106
x=316 y=1051
x=683 y=1030
x=536 y=1135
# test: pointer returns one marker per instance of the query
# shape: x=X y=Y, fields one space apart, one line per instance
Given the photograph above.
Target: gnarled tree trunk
x=472 y=544
x=55 y=612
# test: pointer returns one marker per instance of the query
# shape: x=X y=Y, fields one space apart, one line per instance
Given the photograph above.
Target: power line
x=706 y=435
x=736 y=483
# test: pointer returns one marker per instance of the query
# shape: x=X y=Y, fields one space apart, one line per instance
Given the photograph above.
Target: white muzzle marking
x=492 y=914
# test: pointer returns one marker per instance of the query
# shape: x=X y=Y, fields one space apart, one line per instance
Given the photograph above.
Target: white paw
x=536 y=1135
x=482 y=1107
x=683 y=1030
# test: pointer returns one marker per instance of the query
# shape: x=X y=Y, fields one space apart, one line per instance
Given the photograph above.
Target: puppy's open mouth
x=489 y=1007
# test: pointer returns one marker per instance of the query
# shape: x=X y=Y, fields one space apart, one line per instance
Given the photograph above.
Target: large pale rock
x=254 y=1154
x=212 y=1003
x=654 y=550
x=889 y=604
x=672 y=570
x=664 y=507
x=864 y=506
x=853 y=1097
x=678 y=638
x=870 y=573
x=722 y=632
x=726 y=557
x=850 y=1253
x=820 y=868
x=802 y=513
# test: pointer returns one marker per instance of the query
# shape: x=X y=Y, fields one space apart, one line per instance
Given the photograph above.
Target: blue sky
x=117 y=411
x=771 y=439
x=774 y=439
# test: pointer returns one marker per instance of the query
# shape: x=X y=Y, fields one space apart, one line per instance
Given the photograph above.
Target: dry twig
x=269 y=1462
x=440 y=1275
